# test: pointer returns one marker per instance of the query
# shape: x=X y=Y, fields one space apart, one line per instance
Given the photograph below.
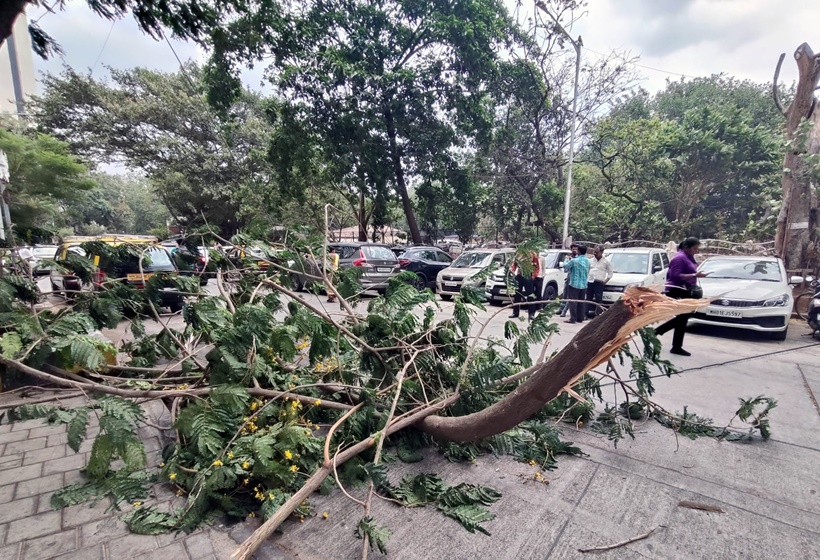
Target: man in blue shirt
x=577 y=270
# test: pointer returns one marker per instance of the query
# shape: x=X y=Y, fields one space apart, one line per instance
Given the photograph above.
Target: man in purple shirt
x=681 y=277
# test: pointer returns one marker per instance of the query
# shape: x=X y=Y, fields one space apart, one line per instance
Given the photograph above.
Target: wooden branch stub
x=775 y=91
x=699 y=506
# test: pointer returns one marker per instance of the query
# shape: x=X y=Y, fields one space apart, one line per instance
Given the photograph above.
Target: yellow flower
x=230 y=455
x=324 y=515
x=532 y=463
x=179 y=492
x=251 y=514
x=245 y=481
x=217 y=463
x=172 y=476
x=162 y=465
x=246 y=465
x=294 y=404
x=307 y=432
x=137 y=504
x=318 y=402
x=254 y=406
x=270 y=495
x=294 y=468
x=288 y=454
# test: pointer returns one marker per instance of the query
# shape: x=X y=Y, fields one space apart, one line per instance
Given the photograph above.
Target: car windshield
x=44 y=252
x=737 y=269
x=378 y=253
x=471 y=260
x=629 y=263
x=550 y=259
x=155 y=259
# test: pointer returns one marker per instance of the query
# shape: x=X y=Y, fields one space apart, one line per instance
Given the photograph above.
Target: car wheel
x=420 y=282
x=445 y=297
x=175 y=307
x=550 y=292
x=780 y=335
x=298 y=285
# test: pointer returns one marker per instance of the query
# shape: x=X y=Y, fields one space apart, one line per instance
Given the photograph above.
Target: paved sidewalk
x=35 y=460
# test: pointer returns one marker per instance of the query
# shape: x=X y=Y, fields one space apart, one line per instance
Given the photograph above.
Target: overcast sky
x=742 y=38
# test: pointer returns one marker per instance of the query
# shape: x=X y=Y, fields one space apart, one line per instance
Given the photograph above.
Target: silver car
x=467 y=268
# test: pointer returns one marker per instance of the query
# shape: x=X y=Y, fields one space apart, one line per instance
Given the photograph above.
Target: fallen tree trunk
x=598 y=341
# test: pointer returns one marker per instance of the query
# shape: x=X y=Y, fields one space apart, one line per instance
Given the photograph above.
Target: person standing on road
x=539 y=282
x=526 y=267
x=682 y=283
x=600 y=272
x=333 y=266
x=565 y=306
x=577 y=270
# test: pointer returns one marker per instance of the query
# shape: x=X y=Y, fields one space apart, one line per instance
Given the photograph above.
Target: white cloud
x=742 y=38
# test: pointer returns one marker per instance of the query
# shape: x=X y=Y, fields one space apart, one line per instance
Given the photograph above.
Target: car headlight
x=634 y=285
x=779 y=301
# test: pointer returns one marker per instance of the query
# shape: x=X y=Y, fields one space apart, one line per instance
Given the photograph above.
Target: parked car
x=426 y=262
x=156 y=259
x=467 y=268
x=497 y=288
x=43 y=253
x=634 y=266
x=750 y=293
x=376 y=264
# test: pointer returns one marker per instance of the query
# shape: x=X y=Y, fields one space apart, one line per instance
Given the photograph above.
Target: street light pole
x=576 y=44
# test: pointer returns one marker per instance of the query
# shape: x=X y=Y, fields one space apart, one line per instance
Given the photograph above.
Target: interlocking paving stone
x=39 y=485
x=45 y=454
x=25 y=445
x=50 y=546
x=64 y=464
x=34 y=526
x=28 y=472
x=131 y=545
x=17 y=509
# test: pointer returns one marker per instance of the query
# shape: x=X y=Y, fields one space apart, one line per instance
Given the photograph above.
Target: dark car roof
x=358 y=243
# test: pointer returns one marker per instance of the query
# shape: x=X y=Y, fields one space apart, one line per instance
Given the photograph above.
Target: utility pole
x=4 y=179
x=576 y=44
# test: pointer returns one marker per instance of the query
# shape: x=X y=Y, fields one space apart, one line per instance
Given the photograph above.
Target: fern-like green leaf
x=149 y=521
x=11 y=345
x=469 y=494
x=73 y=494
x=470 y=516
x=377 y=536
x=102 y=452
x=77 y=428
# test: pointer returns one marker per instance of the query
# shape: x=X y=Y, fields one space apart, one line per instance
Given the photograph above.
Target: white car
x=634 y=266
x=496 y=289
x=467 y=268
x=750 y=293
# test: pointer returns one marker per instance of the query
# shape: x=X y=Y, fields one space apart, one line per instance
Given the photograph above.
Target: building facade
x=17 y=79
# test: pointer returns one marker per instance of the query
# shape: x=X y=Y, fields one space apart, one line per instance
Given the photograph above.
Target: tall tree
x=796 y=239
x=204 y=165
x=43 y=176
x=396 y=86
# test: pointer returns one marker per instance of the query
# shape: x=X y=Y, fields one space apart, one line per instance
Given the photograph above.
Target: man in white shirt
x=600 y=272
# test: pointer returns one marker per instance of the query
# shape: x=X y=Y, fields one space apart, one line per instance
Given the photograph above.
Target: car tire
x=780 y=335
x=445 y=297
x=298 y=285
x=175 y=307
x=550 y=292
x=420 y=283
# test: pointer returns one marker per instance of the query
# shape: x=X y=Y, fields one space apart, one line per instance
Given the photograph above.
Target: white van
x=634 y=266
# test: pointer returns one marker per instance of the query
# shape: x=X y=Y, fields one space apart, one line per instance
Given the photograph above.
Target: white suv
x=496 y=288
x=634 y=266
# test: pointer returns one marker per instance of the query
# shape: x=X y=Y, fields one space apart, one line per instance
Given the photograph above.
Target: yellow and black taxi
x=155 y=260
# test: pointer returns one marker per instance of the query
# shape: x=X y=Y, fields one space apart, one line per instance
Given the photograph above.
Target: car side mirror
x=657 y=268
x=561 y=264
x=797 y=280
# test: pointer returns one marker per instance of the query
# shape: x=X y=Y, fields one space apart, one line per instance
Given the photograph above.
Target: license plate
x=138 y=277
x=451 y=284
x=725 y=313
x=502 y=292
x=383 y=269
x=611 y=296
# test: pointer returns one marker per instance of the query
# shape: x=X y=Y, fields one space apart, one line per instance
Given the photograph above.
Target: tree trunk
x=598 y=341
x=363 y=218
x=401 y=185
x=797 y=220
x=9 y=10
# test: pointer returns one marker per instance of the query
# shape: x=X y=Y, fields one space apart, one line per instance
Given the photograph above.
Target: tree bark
x=796 y=222
x=9 y=10
x=401 y=184
x=598 y=341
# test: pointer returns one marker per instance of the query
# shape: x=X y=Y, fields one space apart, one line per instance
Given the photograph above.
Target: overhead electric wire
x=105 y=43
